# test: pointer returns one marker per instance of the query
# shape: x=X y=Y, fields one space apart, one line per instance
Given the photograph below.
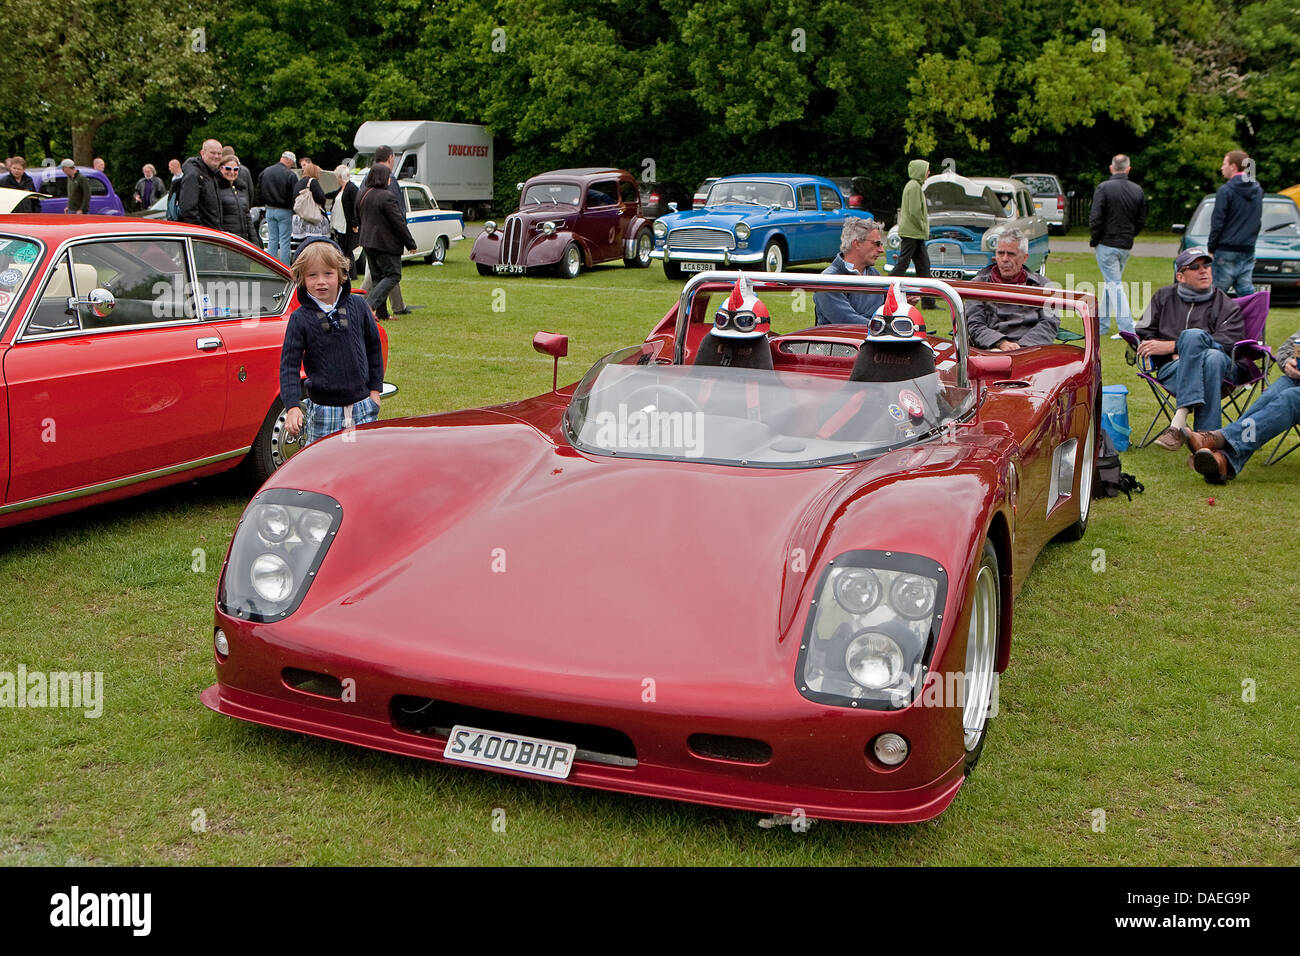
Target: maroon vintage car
x=770 y=584
x=567 y=219
x=135 y=354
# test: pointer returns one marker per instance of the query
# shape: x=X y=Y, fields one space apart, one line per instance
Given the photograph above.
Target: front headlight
x=548 y=228
x=871 y=630
x=990 y=241
x=742 y=231
x=660 y=230
x=1290 y=265
x=490 y=227
x=893 y=241
x=278 y=547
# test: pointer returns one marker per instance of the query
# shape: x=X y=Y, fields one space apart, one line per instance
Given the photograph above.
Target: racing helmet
x=743 y=315
x=897 y=322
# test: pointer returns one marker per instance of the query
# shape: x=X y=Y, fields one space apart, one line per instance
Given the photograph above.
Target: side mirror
x=1070 y=194
x=987 y=366
x=519 y=186
x=100 y=301
x=672 y=207
x=556 y=346
x=1178 y=226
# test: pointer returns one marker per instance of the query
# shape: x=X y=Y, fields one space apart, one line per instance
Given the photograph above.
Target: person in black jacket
x=275 y=187
x=333 y=337
x=1119 y=211
x=200 y=174
x=383 y=236
x=345 y=204
x=235 y=217
x=17 y=177
x=1234 y=226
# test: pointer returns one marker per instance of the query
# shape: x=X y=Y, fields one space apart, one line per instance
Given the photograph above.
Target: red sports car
x=135 y=354
x=762 y=583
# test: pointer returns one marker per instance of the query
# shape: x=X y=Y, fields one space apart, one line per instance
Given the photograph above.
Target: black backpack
x=1109 y=481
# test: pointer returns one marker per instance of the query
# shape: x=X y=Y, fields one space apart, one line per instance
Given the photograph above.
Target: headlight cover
x=660 y=229
x=278 y=547
x=742 y=231
x=991 y=240
x=871 y=630
x=893 y=240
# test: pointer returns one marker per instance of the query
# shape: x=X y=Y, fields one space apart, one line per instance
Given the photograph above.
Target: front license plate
x=945 y=274
x=488 y=748
x=695 y=266
x=502 y=269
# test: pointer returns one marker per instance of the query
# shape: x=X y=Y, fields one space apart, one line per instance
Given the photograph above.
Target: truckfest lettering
x=457 y=149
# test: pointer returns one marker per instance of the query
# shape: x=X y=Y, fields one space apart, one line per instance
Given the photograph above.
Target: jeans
x=1196 y=377
x=1233 y=269
x=278 y=225
x=1110 y=261
x=1271 y=414
x=386 y=267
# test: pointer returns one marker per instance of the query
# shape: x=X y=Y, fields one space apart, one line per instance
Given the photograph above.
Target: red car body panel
x=649 y=597
x=99 y=415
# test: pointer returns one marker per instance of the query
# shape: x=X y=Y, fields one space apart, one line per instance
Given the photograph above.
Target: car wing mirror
x=556 y=346
x=100 y=302
x=672 y=207
x=1178 y=226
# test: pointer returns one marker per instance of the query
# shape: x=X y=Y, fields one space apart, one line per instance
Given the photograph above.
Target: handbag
x=305 y=208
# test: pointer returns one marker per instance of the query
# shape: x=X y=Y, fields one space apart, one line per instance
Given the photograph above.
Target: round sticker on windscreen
x=5 y=298
x=25 y=253
x=912 y=402
x=10 y=277
x=897 y=413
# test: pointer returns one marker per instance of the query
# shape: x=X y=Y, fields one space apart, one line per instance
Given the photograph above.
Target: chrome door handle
x=207 y=344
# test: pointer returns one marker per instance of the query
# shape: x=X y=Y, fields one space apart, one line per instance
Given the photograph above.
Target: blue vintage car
x=761 y=219
x=1277 y=250
x=966 y=216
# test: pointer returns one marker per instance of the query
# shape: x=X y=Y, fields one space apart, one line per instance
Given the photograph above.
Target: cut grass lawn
x=1124 y=695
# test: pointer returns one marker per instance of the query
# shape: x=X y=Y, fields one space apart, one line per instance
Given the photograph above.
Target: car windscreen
x=561 y=194
x=1041 y=185
x=750 y=417
x=751 y=192
x=946 y=197
x=18 y=258
x=1280 y=218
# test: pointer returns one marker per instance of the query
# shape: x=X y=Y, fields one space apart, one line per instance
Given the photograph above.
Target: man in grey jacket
x=1007 y=326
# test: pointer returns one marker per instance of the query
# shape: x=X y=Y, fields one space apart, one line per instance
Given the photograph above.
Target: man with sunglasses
x=860 y=247
x=1187 y=333
x=1007 y=326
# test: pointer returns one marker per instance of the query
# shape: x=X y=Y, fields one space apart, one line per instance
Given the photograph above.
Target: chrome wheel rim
x=979 y=657
x=440 y=250
x=572 y=260
x=774 y=260
x=1087 y=467
x=643 y=247
x=283 y=447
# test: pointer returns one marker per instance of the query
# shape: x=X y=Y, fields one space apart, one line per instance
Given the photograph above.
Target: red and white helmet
x=897 y=321
x=743 y=315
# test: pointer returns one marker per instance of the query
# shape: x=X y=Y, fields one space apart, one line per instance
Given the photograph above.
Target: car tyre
x=673 y=270
x=773 y=257
x=1088 y=466
x=645 y=244
x=272 y=447
x=439 y=251
x=570 y=263
x=981 y=655
x=483 y=270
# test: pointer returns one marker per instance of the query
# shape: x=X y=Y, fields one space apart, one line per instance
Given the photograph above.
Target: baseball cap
x=289 y=155
x=1188 y=256
x=67 y=164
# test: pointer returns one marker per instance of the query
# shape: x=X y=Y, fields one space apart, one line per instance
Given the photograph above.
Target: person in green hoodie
x=914 y=222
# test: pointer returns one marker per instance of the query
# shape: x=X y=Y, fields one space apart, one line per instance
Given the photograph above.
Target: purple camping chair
x=1249 y=351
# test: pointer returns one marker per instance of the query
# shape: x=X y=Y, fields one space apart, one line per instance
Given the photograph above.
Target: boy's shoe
x=1171 y=438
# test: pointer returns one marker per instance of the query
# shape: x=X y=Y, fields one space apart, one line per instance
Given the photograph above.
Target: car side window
x=234 y=285
x=830 y=201
x=52 y=313
x=410 y=165
x=56 y=186
x=628 y=193
x=97 y=187
x=416 y=198
x=1026 y=207
x=807 y=197
x=602 y=194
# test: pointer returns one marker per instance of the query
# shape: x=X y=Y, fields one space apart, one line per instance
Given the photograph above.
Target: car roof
x=999 y=183
x=792 y=178
x=54 y=230
x=45 y=172
x=582 y=172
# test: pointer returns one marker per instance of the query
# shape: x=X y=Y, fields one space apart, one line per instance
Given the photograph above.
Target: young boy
x=333 y=335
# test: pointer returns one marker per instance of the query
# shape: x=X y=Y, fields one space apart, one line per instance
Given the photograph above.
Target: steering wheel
x=655 y=395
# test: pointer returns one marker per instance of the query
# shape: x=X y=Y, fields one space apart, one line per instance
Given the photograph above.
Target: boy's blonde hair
x=318 y=254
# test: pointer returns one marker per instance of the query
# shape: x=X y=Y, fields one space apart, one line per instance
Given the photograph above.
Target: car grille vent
x=513 y=241
x=698 y=238
x=952 y=234
x=310 y=682
x=946 y=255
x=737 y=749
x=435 y=718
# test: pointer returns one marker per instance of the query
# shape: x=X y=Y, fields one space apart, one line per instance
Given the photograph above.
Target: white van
x=453 y=159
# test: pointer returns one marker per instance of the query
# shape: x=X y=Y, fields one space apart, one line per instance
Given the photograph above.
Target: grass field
x=1125 y=693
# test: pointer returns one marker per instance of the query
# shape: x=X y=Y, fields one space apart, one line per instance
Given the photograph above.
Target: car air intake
x=512 y=243
x=435 y=718
x=310 y=682
x=736 y=749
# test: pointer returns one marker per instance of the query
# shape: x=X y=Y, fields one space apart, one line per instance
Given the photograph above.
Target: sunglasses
x=231 y=169
x=899 y=325
x=745 y=321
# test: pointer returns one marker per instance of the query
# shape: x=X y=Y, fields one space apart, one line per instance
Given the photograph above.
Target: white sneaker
x=1117 y=336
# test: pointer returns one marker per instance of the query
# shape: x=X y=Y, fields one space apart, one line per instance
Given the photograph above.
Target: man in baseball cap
x=1187 y=334
x=78 y=188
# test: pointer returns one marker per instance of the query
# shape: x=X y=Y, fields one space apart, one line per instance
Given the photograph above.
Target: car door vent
x=435 y=718
x=310 y=682
x=736 y=749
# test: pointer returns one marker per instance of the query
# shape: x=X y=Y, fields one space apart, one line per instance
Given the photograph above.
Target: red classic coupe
x=761 y=584
x=135 y=354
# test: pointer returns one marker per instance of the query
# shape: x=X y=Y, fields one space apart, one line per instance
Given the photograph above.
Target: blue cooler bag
x=1114 y=414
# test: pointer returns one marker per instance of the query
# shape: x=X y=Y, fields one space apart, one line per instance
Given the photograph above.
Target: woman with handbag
x=309 y=217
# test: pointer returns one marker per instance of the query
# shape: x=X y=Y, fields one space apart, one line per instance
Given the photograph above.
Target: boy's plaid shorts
x=322 y=420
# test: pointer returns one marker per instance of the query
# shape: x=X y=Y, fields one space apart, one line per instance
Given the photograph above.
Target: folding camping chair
x=1250 y=351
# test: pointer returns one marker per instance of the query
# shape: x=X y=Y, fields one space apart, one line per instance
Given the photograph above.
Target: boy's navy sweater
x=342 y=367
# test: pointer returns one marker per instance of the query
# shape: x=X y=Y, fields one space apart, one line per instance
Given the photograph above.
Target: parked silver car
x=1051 y=201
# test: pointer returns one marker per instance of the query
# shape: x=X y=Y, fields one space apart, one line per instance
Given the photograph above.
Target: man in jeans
x=1234 y=226
x=1119 y=211
x=276 y=185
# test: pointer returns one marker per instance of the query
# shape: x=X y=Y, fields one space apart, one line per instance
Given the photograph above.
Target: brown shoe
x=1213 y=465
x=1198 y=440
x=1171 y=438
